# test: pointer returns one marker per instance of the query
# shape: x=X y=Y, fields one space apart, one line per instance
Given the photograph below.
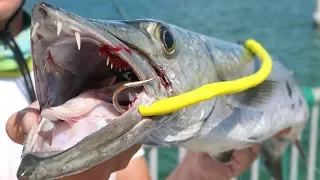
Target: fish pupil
x=167 y=39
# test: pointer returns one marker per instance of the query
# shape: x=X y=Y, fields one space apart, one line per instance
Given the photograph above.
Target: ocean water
x=283 y=27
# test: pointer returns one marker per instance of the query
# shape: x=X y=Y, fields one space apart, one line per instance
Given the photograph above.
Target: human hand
x=199 y=165
x=7 y=8
x=20 y=123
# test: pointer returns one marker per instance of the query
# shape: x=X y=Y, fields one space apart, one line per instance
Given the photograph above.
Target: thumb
x=20 y=123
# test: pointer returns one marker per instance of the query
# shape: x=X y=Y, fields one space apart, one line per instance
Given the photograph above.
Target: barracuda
x=92 y=75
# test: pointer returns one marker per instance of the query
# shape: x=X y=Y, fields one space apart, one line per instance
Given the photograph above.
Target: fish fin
x=274 y=167
x=256 y=96
x=299 y=146
x=225 y=157
x=272 y=151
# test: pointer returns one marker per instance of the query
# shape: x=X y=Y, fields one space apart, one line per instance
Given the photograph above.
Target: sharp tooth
x=35 y=28
x=57 y=74
x=137 y=83
x=131 y=97
x=108 y=60
x=77 y=34
x=111 y=65
x=59 y=27
x=126 y=75
x=120 y=70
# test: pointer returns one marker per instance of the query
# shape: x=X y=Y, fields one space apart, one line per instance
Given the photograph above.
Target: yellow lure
x=208 y=91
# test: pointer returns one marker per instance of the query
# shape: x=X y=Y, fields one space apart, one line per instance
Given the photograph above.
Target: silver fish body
x=178 y=61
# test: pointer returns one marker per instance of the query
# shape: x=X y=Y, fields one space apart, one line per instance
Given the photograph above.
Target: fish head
x=78 y=65
x=66 y=63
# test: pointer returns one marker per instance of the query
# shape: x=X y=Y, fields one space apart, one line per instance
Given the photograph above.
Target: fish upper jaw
x=68 y=49
x=73 y=56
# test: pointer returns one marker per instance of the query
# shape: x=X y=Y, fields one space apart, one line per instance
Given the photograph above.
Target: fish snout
x=28 y=166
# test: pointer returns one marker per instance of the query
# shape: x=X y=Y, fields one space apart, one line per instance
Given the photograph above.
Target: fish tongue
x=87 y=104
x=80 y=117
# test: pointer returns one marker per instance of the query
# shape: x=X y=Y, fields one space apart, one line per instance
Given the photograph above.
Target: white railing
x=313 y=135
x=316 y=13
x=255 y=169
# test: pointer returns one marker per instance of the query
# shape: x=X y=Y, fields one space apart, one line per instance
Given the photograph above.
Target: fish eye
x=167 y=40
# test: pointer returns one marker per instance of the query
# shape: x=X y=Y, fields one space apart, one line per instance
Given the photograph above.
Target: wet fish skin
x=215 y=126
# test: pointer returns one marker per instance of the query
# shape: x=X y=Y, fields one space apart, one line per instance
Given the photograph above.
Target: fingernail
x=29 y=118
x=27 y=110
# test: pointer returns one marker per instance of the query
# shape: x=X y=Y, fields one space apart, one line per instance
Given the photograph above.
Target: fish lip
x=45 y=100
x=24 y=172
x=102 y=36
x=32 y=165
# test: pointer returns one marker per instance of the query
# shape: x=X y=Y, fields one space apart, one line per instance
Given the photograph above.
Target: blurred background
x=284 y=28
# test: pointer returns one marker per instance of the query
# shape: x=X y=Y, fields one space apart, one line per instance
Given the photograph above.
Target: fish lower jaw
x=64 y=126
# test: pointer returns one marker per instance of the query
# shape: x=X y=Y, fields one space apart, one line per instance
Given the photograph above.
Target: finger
x=283 y=132
x=242 y=160
x=20 y=123
x=255 y=150
x=29 y=118
x=125 y=157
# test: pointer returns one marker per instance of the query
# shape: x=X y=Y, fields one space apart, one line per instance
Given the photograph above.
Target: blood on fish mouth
x=87 y=79
x=96 y=83
x=106 y=65
x=117 y=62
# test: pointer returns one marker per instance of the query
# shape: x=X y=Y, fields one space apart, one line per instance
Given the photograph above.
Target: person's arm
x=104 y=170
x=136 y=170
x=200 y=166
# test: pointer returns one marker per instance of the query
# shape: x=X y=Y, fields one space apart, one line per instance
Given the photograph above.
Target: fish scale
x=217 y=126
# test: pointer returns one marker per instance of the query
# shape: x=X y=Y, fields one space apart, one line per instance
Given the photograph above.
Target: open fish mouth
x=78 y=53
x=86 y=78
